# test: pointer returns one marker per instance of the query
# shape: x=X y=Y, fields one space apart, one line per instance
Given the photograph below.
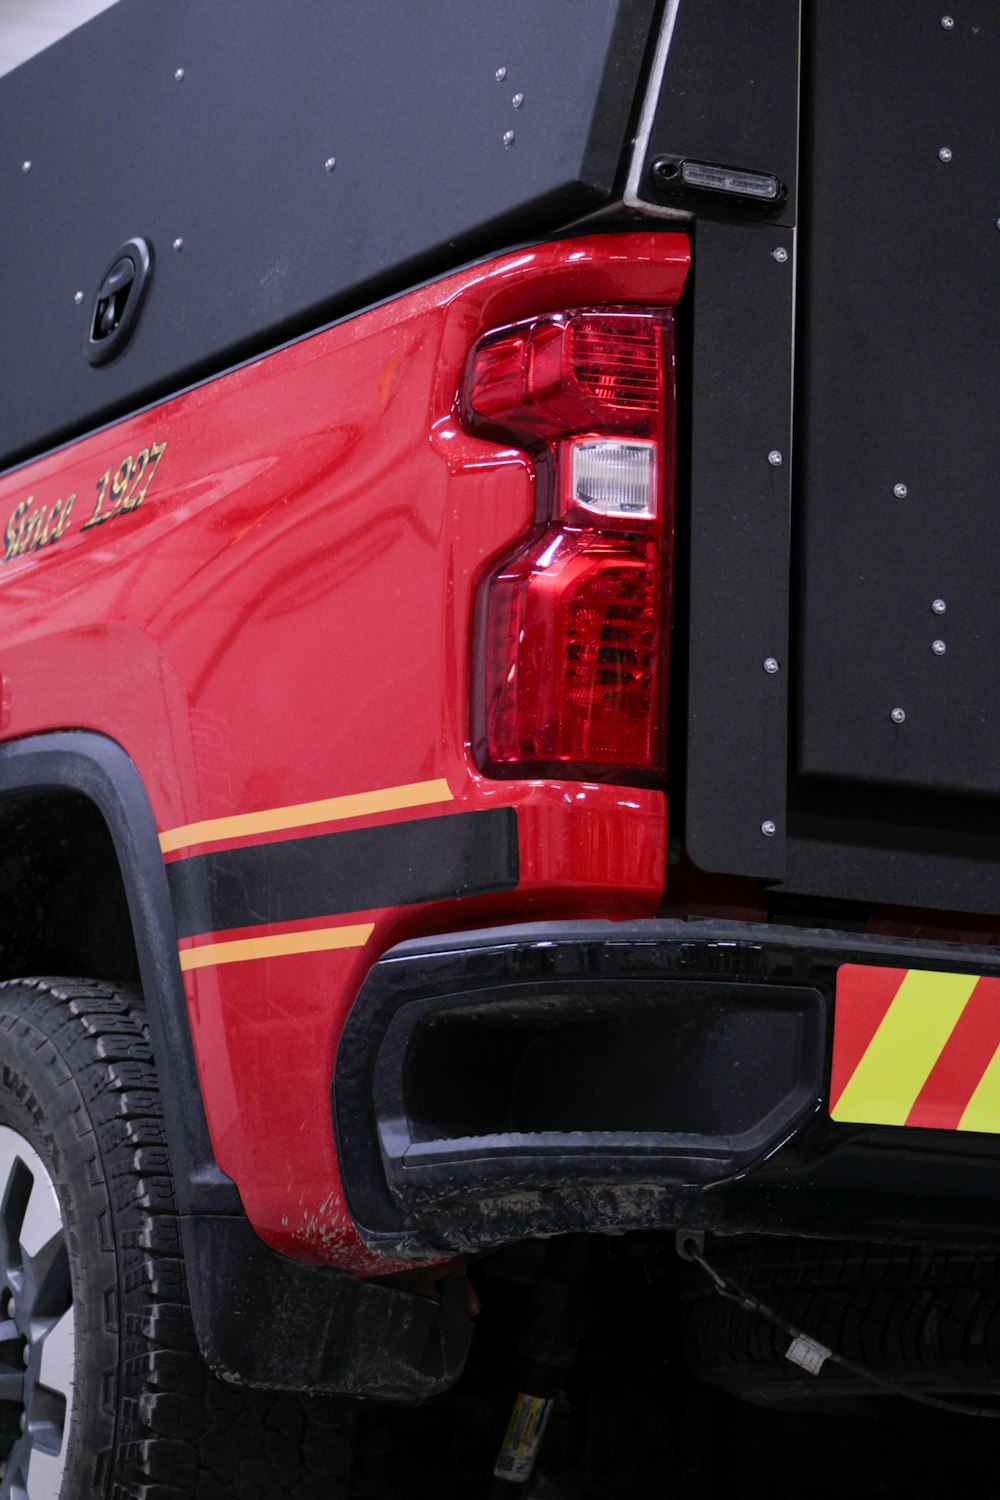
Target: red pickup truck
x=436 y=441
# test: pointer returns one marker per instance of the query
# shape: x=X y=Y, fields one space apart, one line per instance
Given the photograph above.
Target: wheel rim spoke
x=15 y=1188
x=55 y=1370
x=44 y=1474
x=37 y=1329
x=45 y=1288
x=18 y=1489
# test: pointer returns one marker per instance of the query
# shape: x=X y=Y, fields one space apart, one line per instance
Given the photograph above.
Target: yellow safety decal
x=301 y=814
x=237 y=950
x=916 y=1047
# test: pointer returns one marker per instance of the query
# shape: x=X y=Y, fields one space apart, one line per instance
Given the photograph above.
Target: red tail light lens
x=571 y=627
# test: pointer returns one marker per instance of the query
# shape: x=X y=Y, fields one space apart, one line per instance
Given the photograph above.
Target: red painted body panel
x=286 y=618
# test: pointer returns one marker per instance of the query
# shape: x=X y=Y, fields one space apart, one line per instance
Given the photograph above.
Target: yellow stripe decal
x=921 y=1018
x=239 y=949
x=330 y=810
x=983 y=1110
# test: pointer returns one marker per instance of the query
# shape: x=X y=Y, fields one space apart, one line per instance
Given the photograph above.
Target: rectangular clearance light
x=700 y=174
x=615 y=478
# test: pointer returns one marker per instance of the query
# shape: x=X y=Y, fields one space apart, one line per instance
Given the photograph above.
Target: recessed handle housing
x=117 y=301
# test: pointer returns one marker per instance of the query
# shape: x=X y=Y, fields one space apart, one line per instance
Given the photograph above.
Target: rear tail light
x=571 y=627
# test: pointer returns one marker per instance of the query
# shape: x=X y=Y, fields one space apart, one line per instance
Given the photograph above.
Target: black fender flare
x=260 y=1318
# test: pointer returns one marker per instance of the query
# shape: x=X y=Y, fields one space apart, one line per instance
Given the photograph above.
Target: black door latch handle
x=116 y=304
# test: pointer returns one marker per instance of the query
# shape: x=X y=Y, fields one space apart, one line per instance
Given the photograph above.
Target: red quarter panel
x=285 y=618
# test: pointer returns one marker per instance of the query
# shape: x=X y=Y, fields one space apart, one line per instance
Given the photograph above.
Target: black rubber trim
x=819 y=1178
x=325 y=874
x=100 y=770
x=693 y=1078
x=261 y=1320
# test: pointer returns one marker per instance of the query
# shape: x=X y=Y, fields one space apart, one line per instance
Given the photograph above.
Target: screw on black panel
x=178 y=75
x=938 y=647
x=774 y=458
x=178 y=243
x=780 y=255
x=78 y=298
x=517 y=101
x=771 y=665
x=945 y=153
x=939 y=606
x=769 y=828
x=330 y=165
x=500 y=74
x=900 y=491
x=26 y=166
x=898 y=716
x=508 y=137
x=948 y=23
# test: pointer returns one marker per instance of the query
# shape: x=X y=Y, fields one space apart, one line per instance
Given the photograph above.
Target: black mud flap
x=285 y=1326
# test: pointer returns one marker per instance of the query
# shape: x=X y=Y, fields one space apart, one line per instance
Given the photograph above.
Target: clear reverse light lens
x=615 y=478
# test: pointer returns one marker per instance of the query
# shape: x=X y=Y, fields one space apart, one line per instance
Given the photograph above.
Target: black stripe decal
x=325 y=874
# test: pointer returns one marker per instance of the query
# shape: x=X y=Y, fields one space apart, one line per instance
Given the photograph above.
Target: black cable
x=725 y=1286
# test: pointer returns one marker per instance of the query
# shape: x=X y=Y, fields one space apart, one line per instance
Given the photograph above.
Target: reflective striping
x=939 y=1035
x=868 y=992
x=324 y=875
x=964 y=1059
x=887 y=1081
x=238 y=950
x=983 y=1110
x=302 y=814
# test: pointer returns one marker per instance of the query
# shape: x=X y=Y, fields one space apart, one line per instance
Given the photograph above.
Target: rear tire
x=90 y=1247
x=925 y=1317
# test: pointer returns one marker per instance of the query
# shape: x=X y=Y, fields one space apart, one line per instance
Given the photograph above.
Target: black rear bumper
x=550 y=1078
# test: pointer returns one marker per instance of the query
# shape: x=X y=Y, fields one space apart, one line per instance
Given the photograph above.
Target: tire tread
x=926 y=1317
x=181 y=1432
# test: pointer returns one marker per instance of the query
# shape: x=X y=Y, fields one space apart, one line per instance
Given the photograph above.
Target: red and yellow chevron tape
x=916 y=1047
